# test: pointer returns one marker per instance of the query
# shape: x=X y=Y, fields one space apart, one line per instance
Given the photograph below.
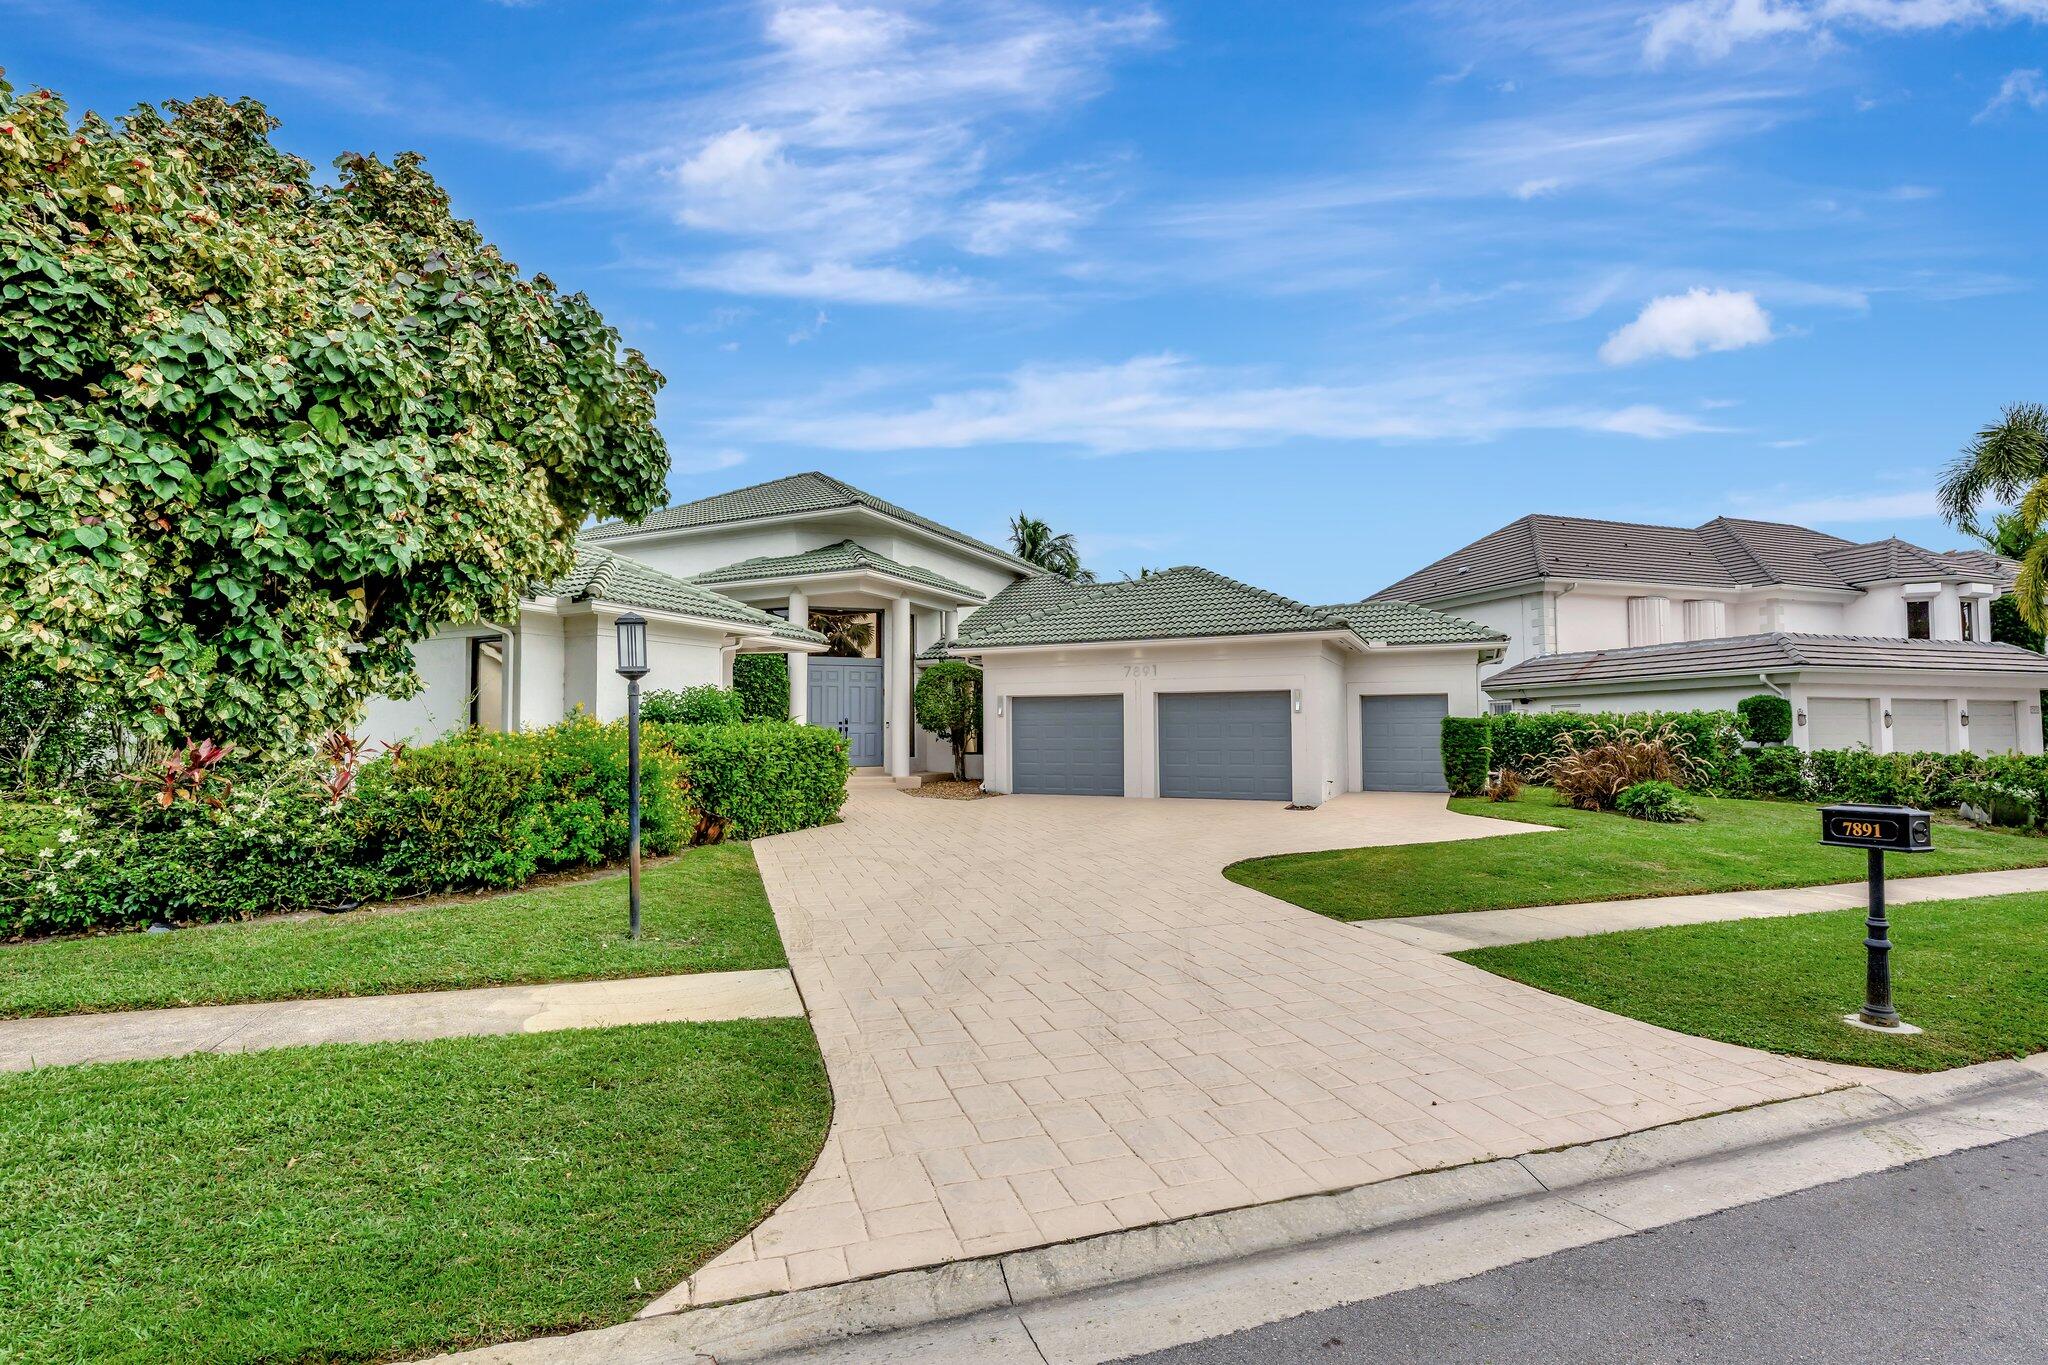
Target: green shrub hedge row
x=1522 y=741
x=476 y=811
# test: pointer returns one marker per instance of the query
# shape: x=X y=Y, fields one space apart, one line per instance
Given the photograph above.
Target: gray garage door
x=1404 y=743
x=1067 y=746
x=1235 y=745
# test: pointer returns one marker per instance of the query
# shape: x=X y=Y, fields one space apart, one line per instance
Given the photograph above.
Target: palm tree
x=2007 y=463
x=1032 y=541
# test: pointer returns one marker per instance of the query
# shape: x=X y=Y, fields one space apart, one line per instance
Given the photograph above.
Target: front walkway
x=1493 y=928
x=1048 y=1017
x=71 y=1039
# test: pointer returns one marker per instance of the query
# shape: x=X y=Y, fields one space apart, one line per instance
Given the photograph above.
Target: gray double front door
x=846 y=695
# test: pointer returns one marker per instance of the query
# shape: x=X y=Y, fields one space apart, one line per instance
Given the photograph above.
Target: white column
x=799 y=664
x=896 y=684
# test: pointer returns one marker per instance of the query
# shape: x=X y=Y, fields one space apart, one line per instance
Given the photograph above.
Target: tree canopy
x=1034 y=542
x=262 y=433
x=2007 y=462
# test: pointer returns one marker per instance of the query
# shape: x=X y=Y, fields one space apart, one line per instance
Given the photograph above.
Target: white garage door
x=1994 y=726
x=1919 y=726
x=1839 y=722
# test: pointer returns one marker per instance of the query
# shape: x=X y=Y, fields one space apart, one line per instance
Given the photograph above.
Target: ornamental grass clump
x=1591 y=768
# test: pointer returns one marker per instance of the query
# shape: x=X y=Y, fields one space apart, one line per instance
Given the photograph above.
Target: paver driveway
x=1048 y=1017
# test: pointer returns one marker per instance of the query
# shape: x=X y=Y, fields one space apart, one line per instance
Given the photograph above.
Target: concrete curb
x=1115 y=1294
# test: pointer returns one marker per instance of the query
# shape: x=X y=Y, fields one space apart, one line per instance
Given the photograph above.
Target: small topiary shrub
x=700 y=705
x=1659 y=802
x=769 y=777
x=1467 y=753
x=948 y=704
x=762 y=680
x=1766 y=718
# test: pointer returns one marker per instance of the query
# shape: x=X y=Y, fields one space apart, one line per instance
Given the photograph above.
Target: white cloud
x=1164 y=402
x=809 y=331
x=1683 y=325
x=1712 y=29
x=1852 y=507
x=861 y=134
x=707 y=462
x=781 y=276
x=2021 y=87
x=1002 y=225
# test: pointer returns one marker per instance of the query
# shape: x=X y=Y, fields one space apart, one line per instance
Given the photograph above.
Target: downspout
x=1765 y=679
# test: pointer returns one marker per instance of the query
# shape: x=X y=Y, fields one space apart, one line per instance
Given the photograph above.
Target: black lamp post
x=633 y=667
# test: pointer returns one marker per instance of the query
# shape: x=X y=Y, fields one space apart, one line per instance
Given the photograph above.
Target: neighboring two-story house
x=1883 y=645
x=1180 y=683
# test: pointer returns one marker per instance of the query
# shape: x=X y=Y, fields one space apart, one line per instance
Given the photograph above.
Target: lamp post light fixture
x=633 y=667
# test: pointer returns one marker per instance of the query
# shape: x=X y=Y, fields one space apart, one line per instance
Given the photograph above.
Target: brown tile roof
x=1747 y=655
x=1727 y=552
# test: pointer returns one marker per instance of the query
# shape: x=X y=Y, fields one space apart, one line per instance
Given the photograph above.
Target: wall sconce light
x=999 y=704
x=1887 y=718
x=1966 y=720
x=1800 y=715
x=1297 y=701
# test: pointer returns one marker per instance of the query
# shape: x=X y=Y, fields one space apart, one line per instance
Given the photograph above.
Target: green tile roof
x=1404 y=623
x=798 y=493
x=602 y=576
x=847 y=556
x=1026 y=595
x=1182 y=603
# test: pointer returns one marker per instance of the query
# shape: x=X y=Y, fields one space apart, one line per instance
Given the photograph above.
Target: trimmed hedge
x=1468 y=753
x=475 y=811
x=1525 y=740
x=704 y=704
x=1766 y=718
x=762 y=680
x=767 y=777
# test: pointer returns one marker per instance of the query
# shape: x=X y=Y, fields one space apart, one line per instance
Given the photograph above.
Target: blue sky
x=1308 y=293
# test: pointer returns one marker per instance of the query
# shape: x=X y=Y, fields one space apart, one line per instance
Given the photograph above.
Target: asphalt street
x=1944 y=1260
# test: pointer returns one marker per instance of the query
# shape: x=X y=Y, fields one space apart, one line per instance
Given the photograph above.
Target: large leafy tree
x=260 y=434
x=2007 y=463
x=1034 y=542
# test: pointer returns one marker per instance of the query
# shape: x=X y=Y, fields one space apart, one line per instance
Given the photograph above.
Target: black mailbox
x=1892 y=829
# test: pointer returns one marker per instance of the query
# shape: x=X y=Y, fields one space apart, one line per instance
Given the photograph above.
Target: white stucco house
x=1881 y=645
x=1181 y=683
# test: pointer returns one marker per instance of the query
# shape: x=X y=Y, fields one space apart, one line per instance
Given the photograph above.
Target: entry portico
x=875 y=614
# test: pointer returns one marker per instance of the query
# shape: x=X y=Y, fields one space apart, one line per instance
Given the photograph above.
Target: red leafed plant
x=344 y=754
x=188 y=772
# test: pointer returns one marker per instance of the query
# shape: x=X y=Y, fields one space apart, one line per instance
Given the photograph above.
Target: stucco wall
x=1140 y=674
x=702 y=551
x=1329 y=682
x=440 y=707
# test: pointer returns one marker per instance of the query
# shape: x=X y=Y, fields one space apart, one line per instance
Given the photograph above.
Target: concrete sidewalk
x=77 y=1038
x=1454 y=933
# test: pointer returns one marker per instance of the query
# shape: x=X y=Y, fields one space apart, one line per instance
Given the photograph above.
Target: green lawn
x=1740 y=846
x=702 y=911
x=1972 y=973
x=372 y=1202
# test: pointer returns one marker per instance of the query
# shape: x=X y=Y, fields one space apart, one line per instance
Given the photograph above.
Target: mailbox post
x=1878 y=830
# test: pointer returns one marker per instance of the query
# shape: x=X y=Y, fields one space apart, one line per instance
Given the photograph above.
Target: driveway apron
x=1049 y=1017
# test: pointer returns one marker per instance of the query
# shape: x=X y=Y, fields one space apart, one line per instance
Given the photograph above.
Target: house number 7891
x=1141 y=670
